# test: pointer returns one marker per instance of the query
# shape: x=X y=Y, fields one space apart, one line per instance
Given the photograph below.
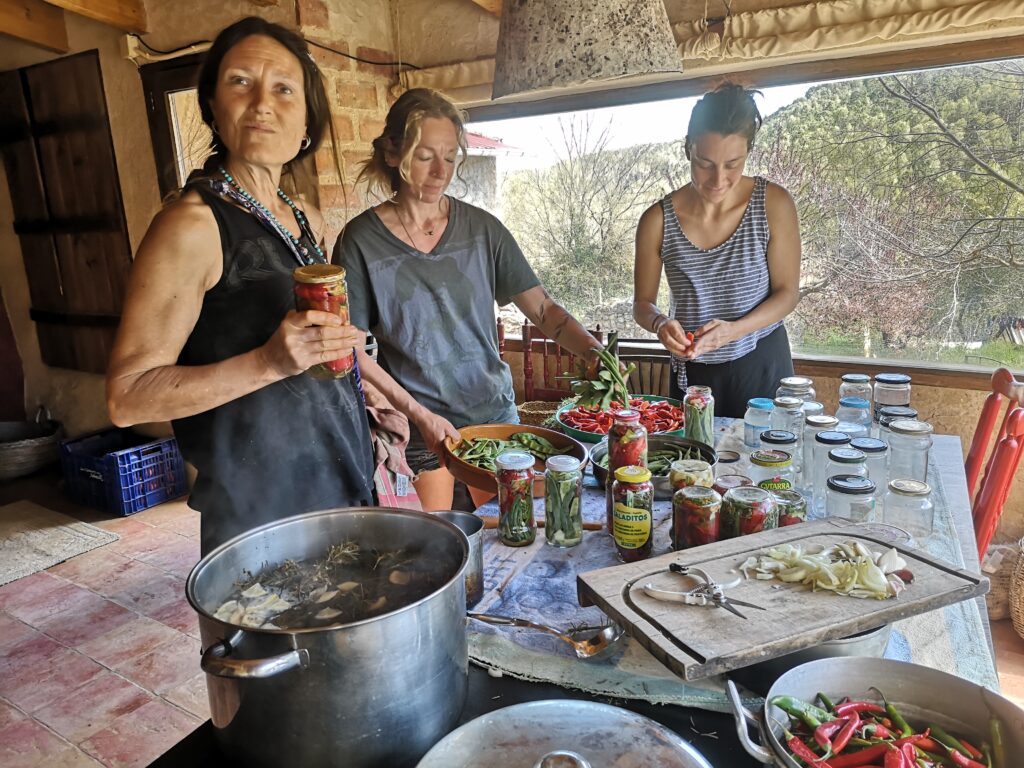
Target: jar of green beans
x=563 y=490
x=514 y=473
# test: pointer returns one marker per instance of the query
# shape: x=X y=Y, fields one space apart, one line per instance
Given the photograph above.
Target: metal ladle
x=586 y=645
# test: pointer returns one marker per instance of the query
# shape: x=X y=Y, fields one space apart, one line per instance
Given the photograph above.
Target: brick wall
x=360 y=95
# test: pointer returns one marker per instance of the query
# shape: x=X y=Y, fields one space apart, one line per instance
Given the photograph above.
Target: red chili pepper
x=961 y=760
x=844 y=735
x=689 y=336
x=975 y=752
x=878 y=730
x=804 y=752
x=842 y=710
x=866 y=756
x=823 y=733
x=894 y=758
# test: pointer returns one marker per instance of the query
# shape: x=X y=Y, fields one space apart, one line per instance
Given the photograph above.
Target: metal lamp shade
x=551 y=44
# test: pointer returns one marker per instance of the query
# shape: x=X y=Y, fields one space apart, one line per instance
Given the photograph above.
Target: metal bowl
x=662 y=486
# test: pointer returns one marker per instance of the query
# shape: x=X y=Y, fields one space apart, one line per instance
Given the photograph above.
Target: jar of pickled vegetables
x=514 y=474
x=747 y=509
x=792 y=507
x=686 y=472
x=627 y=447
x=563 y=489
x=772 y=470
x=633 y=515
x=695 y=516
x=322 y=287
x=724 y=482
x=699 y=414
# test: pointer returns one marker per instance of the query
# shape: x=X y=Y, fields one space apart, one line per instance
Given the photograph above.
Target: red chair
x=1005 y=457
x=556 y=362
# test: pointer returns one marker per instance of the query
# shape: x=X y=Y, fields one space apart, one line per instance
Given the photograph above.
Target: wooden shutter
x=68 y=214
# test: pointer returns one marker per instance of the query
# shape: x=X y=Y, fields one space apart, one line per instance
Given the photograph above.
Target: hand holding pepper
x=709 y=337
x=304 y=339
x=675 y=339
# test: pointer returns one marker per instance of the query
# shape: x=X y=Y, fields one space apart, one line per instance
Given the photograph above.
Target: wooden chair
x=1005 y=457
x=554 y=360
x=652 y=374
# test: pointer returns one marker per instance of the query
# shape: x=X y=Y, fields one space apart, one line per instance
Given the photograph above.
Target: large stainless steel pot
x=378 y=692
x=923 y=695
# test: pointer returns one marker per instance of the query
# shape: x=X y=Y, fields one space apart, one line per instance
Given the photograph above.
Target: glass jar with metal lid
x=699 y=414
x=686 y=472
x=695 y=517
x=787 y=414
x=856 y=410
x=747 y=509
x=783 y=440
x=772 y=470
x=724 y=482
x=891 y=413
x=563 y=490
x=910 y=442
x=633 y=518
x=856 y=385
x=812 y=426
x=800 y=387
x=851 y=496
x=877 y=453
x=908 y=505
x=846 y=461
x=812 y=408
x=322 y=287
x=890 y=389
x=824 y=442
x=727 y=462
x=514 y=474
x=792 y=507
x=627 y=446
x=756 y=420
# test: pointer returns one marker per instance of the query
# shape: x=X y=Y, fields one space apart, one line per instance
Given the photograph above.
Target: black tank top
x=297 y=445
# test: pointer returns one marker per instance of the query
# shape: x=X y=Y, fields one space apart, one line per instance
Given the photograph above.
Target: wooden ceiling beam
x=35 y=22
x=491 y=6
x=127 y=15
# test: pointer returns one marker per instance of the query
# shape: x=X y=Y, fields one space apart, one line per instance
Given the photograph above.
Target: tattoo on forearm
x=560 y=328
x=542 y=314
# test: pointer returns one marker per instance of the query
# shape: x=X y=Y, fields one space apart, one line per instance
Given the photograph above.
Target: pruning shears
x=707 y=592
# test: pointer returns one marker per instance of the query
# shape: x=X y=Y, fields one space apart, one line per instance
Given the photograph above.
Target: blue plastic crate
x=122 y=472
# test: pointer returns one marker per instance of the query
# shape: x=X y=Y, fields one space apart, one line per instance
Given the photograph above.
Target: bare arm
x=178 y=261
x=555 y=321
x=647 y=279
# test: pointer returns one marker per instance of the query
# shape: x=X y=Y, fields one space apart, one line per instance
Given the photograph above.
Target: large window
x=910 y=189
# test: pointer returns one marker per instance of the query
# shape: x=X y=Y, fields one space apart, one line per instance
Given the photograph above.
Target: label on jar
x=631 y=526
x=776 y=483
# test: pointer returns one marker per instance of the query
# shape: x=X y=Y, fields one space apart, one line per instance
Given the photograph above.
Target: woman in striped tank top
x=730 y=248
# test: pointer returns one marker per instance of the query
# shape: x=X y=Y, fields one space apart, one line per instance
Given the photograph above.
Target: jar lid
x=698 y=389
x=854 y=402
x=854 y=485
x=795 y=382
x=846 y=456
x=789 y=498
x=760 y=403
x=897 y=412
x=773 y=459
x=563 y=463
x=909 y=487
x=788 y=402
x=910 y=427
x=821 y=421
x=627 y=415
x=778 y=437
x=869 y=444
x=728 y=457
x=693 y=466
x=812 y=407
x=732 y=481
x=318 y=273
x=632 y=474
x=828 y=437
x=514 y=460
x=749 y=494
x=699 y=493
x=892 y=378
x=856 y=378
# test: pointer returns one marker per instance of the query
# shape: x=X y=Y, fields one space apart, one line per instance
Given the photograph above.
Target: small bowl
x=594 y=437
x=656 y=442
x=479 y=478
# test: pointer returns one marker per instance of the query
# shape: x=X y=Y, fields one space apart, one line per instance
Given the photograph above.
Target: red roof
x=479 y=141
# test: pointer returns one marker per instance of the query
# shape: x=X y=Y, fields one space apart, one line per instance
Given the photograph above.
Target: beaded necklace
x=261 y=212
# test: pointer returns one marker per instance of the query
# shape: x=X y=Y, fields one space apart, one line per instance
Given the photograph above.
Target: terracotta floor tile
x=12 y=631
x=36 y=686
x=33 y=651
x=119 y=576
x=87 y=620
x=163 y=514
x=191 y=696
x=27 y=744
x=9 y=714
x=90 y=568
x=92 y=707
x=143 y=541
x=129 y=641
x=178 y=558
x=61 y=596
x=28 y=589
x=166 y=667
x=179 y=616
x=151 y=592
x=136 y=739
x=188 y=526
x=123 y=526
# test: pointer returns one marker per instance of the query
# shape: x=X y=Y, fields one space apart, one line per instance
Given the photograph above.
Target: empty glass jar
x=890 y=413
x=850 y=496
x=756 y=420
x=856 y=385
x=854 y=416
x=824 y=442
x=812 y=426
x=846 y=461
x=782 y=440
x=877 y=452
x=908 y=505
x=787 y=414
x=910 y=442
x=799 y=387
x=772 y=470
x=890 y=389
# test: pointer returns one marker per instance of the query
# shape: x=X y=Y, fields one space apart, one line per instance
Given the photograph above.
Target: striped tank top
x=725 y=282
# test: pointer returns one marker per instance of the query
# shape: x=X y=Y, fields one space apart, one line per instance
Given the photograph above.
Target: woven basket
x=1000 y=564
x=26 y=446
x=535 y=412
x=1017 y=593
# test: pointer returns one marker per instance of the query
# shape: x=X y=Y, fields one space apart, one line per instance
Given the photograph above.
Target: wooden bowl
x=482 y=479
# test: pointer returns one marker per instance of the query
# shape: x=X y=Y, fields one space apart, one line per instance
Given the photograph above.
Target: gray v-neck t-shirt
x=433 y=313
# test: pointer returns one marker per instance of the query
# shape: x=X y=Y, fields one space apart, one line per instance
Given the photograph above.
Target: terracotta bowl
x=482 y=479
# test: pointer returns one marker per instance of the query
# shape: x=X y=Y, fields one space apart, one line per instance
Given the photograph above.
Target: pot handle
x=215 y=661
x=743 y=717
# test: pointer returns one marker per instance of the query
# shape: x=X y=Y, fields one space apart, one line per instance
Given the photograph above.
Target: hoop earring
x=305 y=144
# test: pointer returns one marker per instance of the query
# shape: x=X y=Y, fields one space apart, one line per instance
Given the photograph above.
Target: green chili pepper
x=826 y=702
x=995 y=728
x=810 y=714
x=949 y=741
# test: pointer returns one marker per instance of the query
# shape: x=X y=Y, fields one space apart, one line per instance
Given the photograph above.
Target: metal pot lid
x=601 y=734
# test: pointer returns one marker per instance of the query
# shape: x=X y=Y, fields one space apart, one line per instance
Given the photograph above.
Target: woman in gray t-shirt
x=424 y=272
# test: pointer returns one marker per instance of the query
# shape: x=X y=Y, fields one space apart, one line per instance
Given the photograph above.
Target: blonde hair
x=402 y=130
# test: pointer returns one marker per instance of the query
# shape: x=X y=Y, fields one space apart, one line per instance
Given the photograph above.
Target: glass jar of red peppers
x=627 y=447
x=699 y=414
x=633 y=515
x=792 y=507
x=695 y=516
x=724 y=482
x=747 y=509
x=514 y=473
x=322 y=287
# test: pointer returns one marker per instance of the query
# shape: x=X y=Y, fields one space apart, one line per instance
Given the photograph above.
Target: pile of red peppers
x=656 y=416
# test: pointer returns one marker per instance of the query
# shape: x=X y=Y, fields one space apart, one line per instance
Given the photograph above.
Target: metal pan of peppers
x=656 y=415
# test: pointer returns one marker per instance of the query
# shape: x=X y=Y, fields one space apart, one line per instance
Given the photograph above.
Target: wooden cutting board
x=696 y=642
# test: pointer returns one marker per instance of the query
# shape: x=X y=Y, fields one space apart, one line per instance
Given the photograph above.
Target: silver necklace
x=428 y=232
